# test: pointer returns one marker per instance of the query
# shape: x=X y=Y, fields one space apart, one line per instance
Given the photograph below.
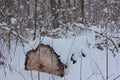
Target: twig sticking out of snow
x=99 y=69
x=116 y=77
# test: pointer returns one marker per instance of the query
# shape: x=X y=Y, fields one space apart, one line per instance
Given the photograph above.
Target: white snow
x=13 y=21
x=86 y=68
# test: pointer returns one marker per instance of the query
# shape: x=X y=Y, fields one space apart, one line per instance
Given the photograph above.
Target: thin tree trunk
x=106 y=59
x=54 y=13
x=82 y=10
x=35 y=19
x=68 y=3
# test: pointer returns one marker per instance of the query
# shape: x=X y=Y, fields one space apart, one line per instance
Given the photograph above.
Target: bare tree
x=82 y=11
x=54 y=13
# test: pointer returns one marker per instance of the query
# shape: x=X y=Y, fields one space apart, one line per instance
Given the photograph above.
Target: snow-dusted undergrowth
x=91 y=66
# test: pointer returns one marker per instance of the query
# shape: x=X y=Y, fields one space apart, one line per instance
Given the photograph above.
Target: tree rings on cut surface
x=44 y=59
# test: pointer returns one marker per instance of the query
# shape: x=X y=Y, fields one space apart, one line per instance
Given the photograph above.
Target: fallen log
x=44 y=59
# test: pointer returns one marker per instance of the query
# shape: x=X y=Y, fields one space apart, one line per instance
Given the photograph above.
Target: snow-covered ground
x=91 y=66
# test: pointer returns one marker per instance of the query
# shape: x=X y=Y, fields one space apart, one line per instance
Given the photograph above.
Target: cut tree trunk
x=44 y=59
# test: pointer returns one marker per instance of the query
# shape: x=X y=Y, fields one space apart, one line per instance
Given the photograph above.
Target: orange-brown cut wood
x=44 y=59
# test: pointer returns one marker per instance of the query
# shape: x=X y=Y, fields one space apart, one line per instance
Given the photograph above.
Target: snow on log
x=44 y=59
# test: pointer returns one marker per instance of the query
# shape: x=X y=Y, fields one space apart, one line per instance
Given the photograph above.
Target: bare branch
x=99 y=69
x=116 y=77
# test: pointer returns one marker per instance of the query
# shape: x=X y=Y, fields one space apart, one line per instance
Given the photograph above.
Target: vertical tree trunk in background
x=59 y=4
x=55 y=14
x=74 y=3
x=35 y=19
x=68 y=3
x=28 y=11
x=89 y=10
x=68 y=15
x=76 y=10
x=82 y=10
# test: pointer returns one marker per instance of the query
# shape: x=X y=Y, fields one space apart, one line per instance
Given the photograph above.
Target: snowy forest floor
x=89 y=49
